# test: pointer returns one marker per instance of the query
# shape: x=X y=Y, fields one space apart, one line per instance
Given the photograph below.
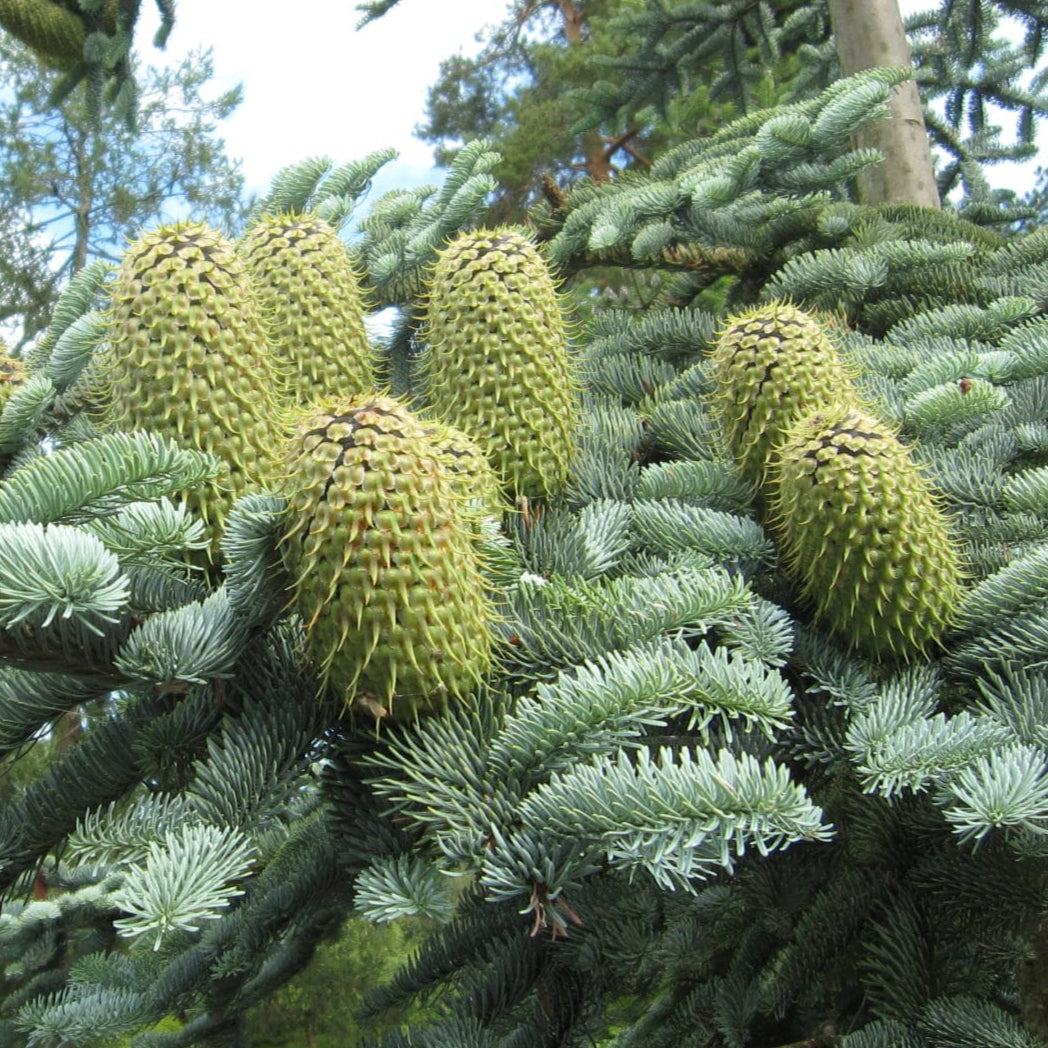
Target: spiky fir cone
x=53 y=31
x=496 y=361
x=310 y=293
x=772 y=365
x=12 y=375
x=861 y=529
x=472 y=477
x=385 y=561
x=188 y=359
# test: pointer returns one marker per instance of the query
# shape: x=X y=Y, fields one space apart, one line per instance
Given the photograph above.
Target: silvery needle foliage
x=677 y=807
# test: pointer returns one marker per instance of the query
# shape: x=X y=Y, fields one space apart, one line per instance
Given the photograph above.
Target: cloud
x=314 y=85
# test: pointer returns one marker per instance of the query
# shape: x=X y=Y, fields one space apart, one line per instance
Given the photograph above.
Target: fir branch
x=1028 y=344
x=540 y=872
x=1007 y=787
x=669 y=334
x=90 y=479
x=679 y=818
x=949 y=361
x=188 y=645
x=825 y=175
x=716 y=485
x=23 y=413
x=403 y=233
x=948 y=411
x=1028 y=490
x=78 y=298
x=58 y=572
x=669 y=525
x=255 y=577
x=122 y=833
x=401 y=886
x=585 y=544
x=157 y=587
x=629 y=377
x=894 y=755
x=764 y=633
x=102 y=767
x=292 y=187
x=253 y=768
x=897 y=969
x=75 y=347
x=79 y=1015
x=35 y=926
x=1017 y=698
x=479 y=931
x=593 y=708
x=353 y=178
x=216 y=965
x=966 y=1022
x=437 y=776
x=1018 y=587
x=558 y=624
x=188 y=876
x=989 y=323
x=29 y=700
x=694 y=381
x=150 y=533
x=1020 y=638
x=682 y=429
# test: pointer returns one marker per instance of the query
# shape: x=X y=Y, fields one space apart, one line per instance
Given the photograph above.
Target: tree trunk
x=598 y=160
x=67 y=731
x=85 y=193
x=870 y=34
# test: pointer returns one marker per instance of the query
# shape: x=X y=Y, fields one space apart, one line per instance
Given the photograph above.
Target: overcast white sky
x=314 y=85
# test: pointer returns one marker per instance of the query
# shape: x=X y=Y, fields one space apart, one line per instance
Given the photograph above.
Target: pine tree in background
x=76 y=186
x=676 y=809
x=972 y=75
x=589 y=87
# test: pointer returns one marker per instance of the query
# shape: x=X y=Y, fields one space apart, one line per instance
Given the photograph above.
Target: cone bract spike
x=188 y=359
x=384 y=560
x=862 y=531
x=497 y=362
x=310 y=293
x=772 y=365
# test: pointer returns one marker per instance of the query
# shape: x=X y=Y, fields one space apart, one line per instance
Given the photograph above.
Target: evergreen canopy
x=680 y=810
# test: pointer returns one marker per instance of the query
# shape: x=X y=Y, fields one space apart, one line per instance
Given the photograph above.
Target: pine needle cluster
x=676 y=809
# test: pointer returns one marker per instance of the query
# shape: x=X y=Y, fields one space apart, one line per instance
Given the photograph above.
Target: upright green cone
x=472 y=478
x=771 y=366
x=496 y=361
x=385 y=561
x=188 y=359
x=861 y=530
x=12 y=375
x=310 y=293
x=52 y=30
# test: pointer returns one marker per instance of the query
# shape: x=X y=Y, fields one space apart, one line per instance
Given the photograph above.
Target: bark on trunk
x=85 y=193
x=870 y=34
x=598 y=161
